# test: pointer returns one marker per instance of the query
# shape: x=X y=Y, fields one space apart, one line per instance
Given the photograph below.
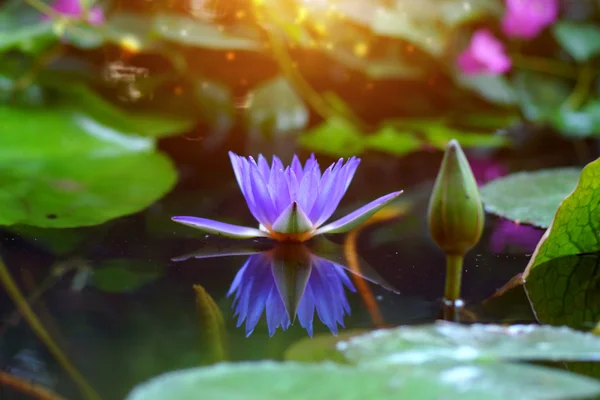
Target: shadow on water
x=123 y=303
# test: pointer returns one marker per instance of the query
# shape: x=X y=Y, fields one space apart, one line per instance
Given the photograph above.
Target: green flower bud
x=455 y=214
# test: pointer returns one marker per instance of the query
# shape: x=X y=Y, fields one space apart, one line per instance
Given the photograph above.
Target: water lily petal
x=263 y=167
x=262 y=196
x=220 y=228
x=308 y=189
x=326 y=188
x=357 y=217
x=342 y=182
x=278 y=186
x=296 y=166
x=292 y=220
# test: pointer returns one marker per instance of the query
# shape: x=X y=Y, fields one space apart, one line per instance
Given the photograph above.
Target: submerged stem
x=454 y=266
x=17 y=297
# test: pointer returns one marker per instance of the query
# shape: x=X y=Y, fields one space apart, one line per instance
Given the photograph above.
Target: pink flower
x=73 y=8
x=509 y=235
x=485 y=55
x=527 y=18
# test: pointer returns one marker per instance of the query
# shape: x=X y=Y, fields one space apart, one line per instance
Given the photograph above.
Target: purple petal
x=308 y=189
x=292 y=220
x=278 y=186
x=296 y=166
x=292 y=182
x=263 y=167
x=326 y=187
x=220 y=228
x=343 y=181
x=276 y=313
x=357 y=217
x=306 y=310
x=262 y=197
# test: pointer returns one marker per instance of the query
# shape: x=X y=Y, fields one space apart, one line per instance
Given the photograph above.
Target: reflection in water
x=288 y=282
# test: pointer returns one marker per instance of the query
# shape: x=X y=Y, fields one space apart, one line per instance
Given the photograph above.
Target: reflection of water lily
x=289 y=282
x=73 y=8
x=291 y=203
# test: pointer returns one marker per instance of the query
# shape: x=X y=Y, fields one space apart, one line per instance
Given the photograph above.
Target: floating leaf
x=199 y=33
x=268 y=380
x=446 y=341
x=575 y=228
x=529 y=197
x=84 y=172
x=390 y=140
x=335 y=137
x=275 y=107
x=539 y=95
x=494 y=88
x=321 y=347
x=122 y=275
x=581 y=40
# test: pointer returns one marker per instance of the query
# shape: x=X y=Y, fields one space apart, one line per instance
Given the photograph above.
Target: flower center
x=291 y=237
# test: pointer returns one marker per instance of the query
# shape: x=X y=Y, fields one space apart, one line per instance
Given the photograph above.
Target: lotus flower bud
x=456 y=214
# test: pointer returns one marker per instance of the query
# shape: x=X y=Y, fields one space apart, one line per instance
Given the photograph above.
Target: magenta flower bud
x=485 y=55
x=525 y=19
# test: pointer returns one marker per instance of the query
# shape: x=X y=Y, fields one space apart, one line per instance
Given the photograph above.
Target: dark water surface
x=121 y=328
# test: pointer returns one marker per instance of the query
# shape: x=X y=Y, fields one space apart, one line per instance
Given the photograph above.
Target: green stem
x=454 y=267
x=35 y=324
x=580 y=93
x=545 y=65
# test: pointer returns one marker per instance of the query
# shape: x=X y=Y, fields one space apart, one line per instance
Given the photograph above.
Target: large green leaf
x=564 y=291
x=581 y=40
x=62 y=166
x=445 y=341
x=575 y=228
x=529 y=197
x=275 y=108
x=268 y=380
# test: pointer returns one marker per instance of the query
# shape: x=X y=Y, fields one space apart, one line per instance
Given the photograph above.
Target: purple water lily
x=291 y=203
x=289 y=283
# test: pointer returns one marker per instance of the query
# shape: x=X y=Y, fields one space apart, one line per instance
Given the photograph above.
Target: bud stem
x=454 y=267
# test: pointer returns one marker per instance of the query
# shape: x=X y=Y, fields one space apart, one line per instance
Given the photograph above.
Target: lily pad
x=321 y=347
x=61 y=167
x=276 y=108
x=529 y=197
x=122 y=275
x=391 y=140
x=336 y=137
x=446 y=341
x=581 y=40
x=268 y=380
x=575 y=228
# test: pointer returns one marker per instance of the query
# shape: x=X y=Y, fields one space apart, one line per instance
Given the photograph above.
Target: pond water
x=124 y=311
